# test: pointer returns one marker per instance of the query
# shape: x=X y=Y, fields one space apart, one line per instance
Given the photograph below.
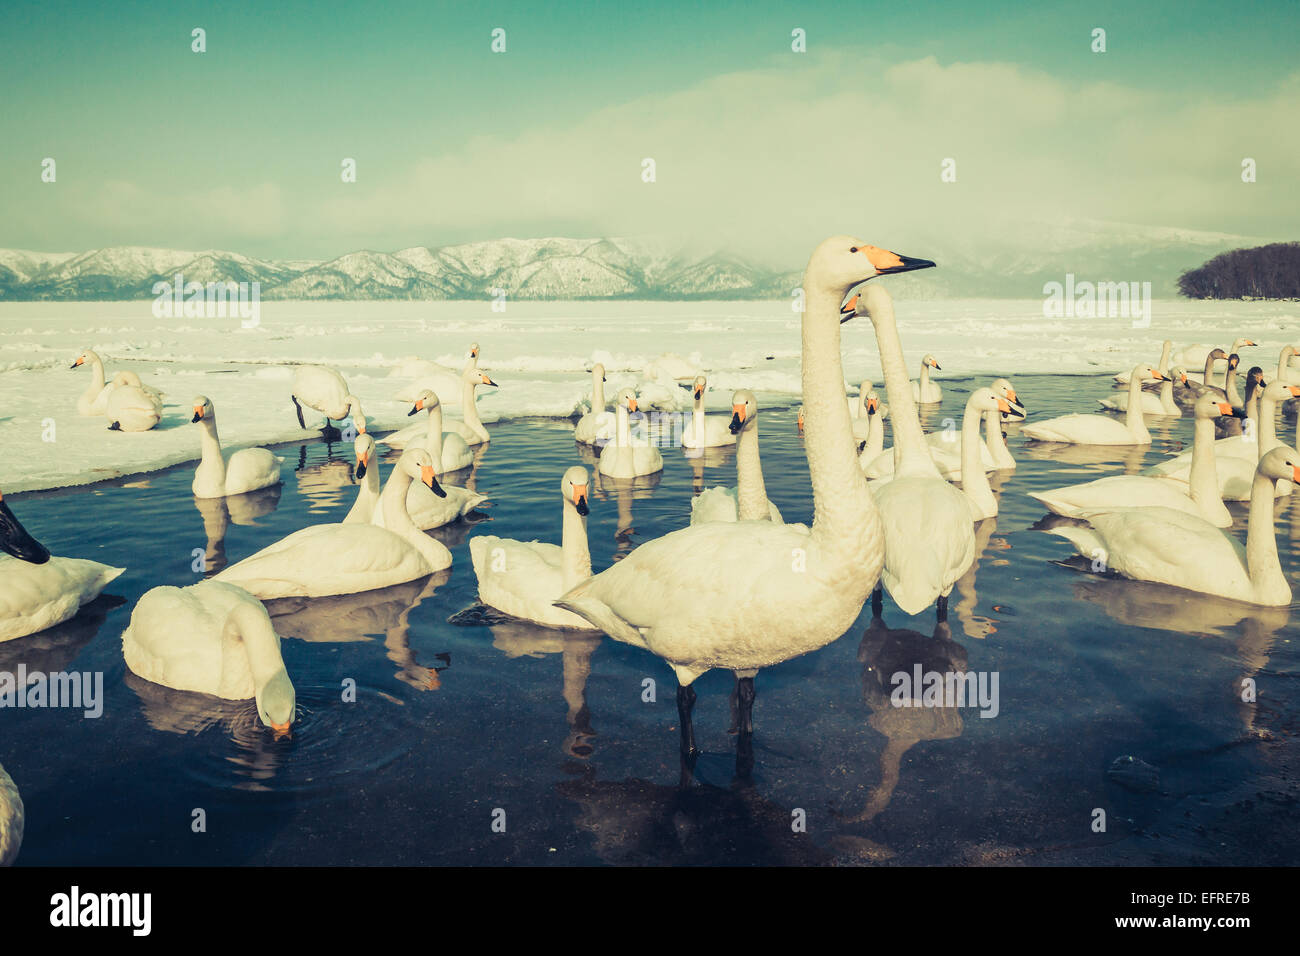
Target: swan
x=1162 y=404
x=1237 y=455
x=1163 y=368
x=945 y=451
x=1243 y=445
x=1200 y=496
x=705 y=431
x=1229 y=388
x=994 y=440
x=367 y=500
x=439 y=379
x=748 y=500
x=130 y=406
x=471 y=427
x=246 y=470
x=925 y=391
x=749 y=594
x=449 y=450
x=11 y=819
x=1099 y=429
x=41 y=591
x=598 y=426
x=325 y=390
x=621 y=458
x=211 y=638
x=974 y=480
x=329 y=559
x=1195 y=356
x=858 y=403
x=525 y=578
x=872 y=445
x=94 y=399
x=1185 y=551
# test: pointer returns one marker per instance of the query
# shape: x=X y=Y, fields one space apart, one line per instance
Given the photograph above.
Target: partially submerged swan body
x=624 y=458
x=450 y=451
x=211 y=638
x=1101 y=429
x=705 y=431
x=748 y=500
x=1159 y=405
x=525 y=578
x=1185 y=551
x=924 y=391
x=248 y=469
x=598 y=426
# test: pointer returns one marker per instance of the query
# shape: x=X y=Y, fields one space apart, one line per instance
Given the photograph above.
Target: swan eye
x=854 y=249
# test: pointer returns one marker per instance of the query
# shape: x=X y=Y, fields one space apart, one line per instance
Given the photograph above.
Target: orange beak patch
x=198 y=412
x=631 y=404
x=281 y=730
x=1003 y=406
x=851 y=306
x=1225 y=408
x=426 y=475
x=738 y=411
x=882 y=259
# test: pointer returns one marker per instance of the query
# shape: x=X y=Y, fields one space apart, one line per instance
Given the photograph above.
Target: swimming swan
x=246 y=470
x=449 y=450
x=705 y=431
x=1184 y=551
x=926 y=392
x=750 y=594
x=748 y=500
x=525 y=578
x=328 y=559
x=1100 y=429
x=598 y=426
x=623 y=458
x=471 y=428
x=211 y=638
x=1162 y=404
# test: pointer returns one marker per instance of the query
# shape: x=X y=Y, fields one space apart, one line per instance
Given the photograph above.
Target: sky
x=757 y=148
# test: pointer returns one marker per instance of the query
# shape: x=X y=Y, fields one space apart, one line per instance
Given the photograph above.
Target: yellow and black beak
x=198 y=414
x=873 y=406
x=417 y=407
x=737 y=419
x=427 y=476
x=488 y=381
x=699 y=392
x=363 y=462
x=580 y=500
x=15 y=540
x=850 y=307
x=77 y=363
x=281 y=731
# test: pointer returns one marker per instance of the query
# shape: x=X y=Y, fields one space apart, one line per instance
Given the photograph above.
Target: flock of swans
x=737 y=588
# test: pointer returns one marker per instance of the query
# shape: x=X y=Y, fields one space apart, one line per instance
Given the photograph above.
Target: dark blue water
x=454 y=723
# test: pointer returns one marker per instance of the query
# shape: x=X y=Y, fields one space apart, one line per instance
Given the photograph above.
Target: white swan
x=974 y=480
x=367 y=501
x=1100 y=429
x=325 y=390
x=945 y=451
x=622 y=458
x=749 y=594
x=438 y=379
x=449 y=450
x=1244 y=445
x=426 y=507
x=748 y=500
x=217 y=476
x=1200 y=496
x=95 y=398
x=1162 y=404
x=328 y=559
x=598 y=426
x=1195 y=356
x=872 y=445
x=11 y=819
x=926 y=392
x=858 y=403
x=705 y=431
x=211 y=638
x=1166 y=348
x=40 y=591
x=470 y=428
x=994 y=440
x=1184 y=551
x=525 y=578
x=131 y=407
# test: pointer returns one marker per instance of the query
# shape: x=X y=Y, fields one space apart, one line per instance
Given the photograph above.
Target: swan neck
x=210 y=447
x=909 y=441
x=393 y=500
x=1202 y=480
x=470 y=412
x=597 y=391
x=751 y=492
x=575 y=554
x=1133 y=417
x=1262 y=562
x=261 y=643
x=993 y=433
x=435 y=435
x=973 y=479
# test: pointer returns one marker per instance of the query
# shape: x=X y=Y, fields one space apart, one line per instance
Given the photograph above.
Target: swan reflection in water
x=219 y=513
x=979 y=626
x=884 y=652
x=55 y=648
x=624 y=491
x=327 y=484
x=352 y=618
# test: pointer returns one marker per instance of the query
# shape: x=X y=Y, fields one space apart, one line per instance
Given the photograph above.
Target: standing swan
x=246 y=470
x=11 y=819
x=1184 y=551
x=324 y=390
x=525 y=578
x=597 y=427
x=926 y=392
x=1099 y=429
x=705 y=431
x=622 y=458
x=211 y=638
x=326 y=559
x=747 y=501
x=751 y=594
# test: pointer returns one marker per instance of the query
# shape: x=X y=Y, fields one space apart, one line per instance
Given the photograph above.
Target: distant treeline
x=1265 y=272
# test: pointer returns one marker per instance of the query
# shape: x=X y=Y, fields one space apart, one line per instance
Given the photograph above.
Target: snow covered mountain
x=1010 y=262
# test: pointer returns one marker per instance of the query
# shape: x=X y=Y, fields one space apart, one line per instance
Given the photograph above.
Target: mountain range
x=1013 y=263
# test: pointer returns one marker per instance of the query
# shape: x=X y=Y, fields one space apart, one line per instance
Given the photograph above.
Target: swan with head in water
x=748 y=500
x=1185 y=551
x=705 y=431
x=217 y=476
x=525 y=578
x=323 y=389
x=1101 y=429
x=341 y=558
x=211 y=638
x=749 y=594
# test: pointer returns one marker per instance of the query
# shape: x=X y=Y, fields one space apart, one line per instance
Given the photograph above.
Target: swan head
x=203 y=409
x=83 y=358
x=364 y=447
x=598 y=370
x=744 y=411
x=1211 y=405
x=1003 y=387
x=1278 y=391
x=872 y=403
x=1282 y=463
x=1243 y=343
x=698 y=386
x=841 y=262
x=1254 y=380
x=573 y=486
x=1145 y=373
x=277 y=703
x=418 y=465
x=1217 y=354
x=626 y=398
x=932 y=362
x=799 y=419
x=474 y=376
x=1234 y=360
x=15 y=540
x=425 y=401
x=1179 y=375
x=987 y=400
x=473 y=350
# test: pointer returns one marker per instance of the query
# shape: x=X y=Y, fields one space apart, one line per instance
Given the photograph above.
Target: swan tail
x=1053 y=505
x=600 y=615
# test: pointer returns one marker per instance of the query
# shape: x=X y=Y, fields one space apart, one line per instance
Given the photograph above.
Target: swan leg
x=301 y=423
x=745 y=694
x=685 y=704
x=941 y=609
x=877 y=602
